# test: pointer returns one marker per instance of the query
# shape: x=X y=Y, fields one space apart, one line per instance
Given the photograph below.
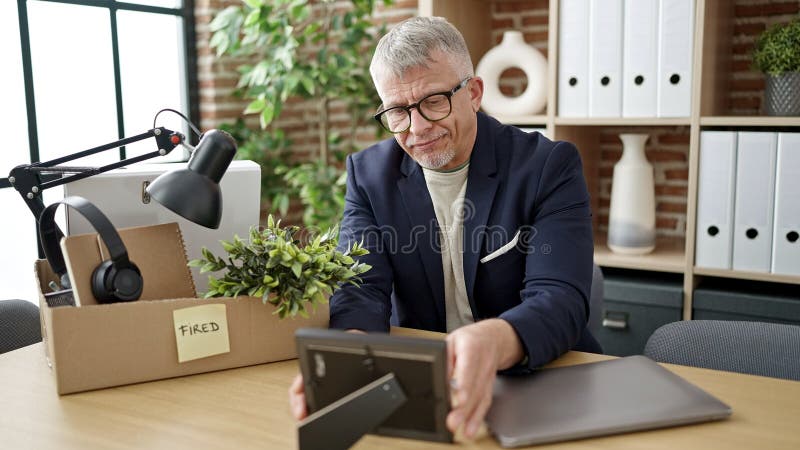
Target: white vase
x=632 y=216
x=513 y=52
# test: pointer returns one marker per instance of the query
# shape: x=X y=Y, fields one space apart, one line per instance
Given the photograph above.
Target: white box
x=605 y=58
x=640 y=59
x=573 y=58
x=120 y=194
x=715 y=199
x=786 y=245
x=755 y=196
x=676 y=41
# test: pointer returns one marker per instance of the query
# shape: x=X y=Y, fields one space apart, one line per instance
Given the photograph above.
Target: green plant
x=311 y=49
x=321 y=188
x=273 y=265
x=777 y=50
x=268 y=148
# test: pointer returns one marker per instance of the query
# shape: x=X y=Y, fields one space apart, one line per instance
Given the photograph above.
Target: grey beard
x=435 y=161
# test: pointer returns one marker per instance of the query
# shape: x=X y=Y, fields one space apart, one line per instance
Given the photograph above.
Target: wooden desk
x=247 y=408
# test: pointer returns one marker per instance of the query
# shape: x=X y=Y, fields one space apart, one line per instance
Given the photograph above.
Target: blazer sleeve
x=558 y=266
x=366 y=306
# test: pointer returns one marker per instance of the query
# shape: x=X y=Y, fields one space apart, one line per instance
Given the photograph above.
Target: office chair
x=756 y=348
x=595 y=322
x=19 y=324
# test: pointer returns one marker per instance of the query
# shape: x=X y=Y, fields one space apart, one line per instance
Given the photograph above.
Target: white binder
x=676 y=38
x=640 y=59
x=755 y=195
x=573 y=58
x=605 y=58
x=715 y=199
x=786 y=234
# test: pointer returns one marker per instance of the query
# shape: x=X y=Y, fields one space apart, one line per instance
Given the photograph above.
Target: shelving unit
x=539 y=120
x=622 y=121
x=753 y=276
x=712 y=56
x=749 y=121
x=669 y=256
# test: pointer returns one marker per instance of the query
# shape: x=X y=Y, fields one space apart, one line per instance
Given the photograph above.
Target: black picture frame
x=336 y=363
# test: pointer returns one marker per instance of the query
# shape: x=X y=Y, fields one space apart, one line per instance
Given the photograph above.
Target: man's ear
x=475 y=89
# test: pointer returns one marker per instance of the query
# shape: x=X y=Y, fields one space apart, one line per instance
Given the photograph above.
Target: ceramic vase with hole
x=513 y=52
x=632 y=215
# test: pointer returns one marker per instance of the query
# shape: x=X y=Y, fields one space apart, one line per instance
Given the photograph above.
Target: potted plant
x=777 y=54
x=311 y=49
x=270 y=150
x=278 y=268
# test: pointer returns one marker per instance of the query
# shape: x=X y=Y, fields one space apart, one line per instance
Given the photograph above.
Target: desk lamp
x=192 y=193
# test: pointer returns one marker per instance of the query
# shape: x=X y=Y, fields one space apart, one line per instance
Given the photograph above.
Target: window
x=78 y=74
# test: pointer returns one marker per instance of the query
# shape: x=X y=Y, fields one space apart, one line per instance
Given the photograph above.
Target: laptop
x=615 y=396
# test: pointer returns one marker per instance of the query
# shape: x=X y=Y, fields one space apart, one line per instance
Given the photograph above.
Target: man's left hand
x=475 y=353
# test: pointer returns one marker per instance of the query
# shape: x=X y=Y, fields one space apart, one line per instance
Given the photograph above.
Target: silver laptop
x=595 y=399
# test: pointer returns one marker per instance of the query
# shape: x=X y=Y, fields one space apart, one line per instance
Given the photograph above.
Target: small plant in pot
x=777 y=54
x=282 y=271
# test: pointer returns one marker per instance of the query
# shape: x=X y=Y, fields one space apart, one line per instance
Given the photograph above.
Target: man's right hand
x=297 y=398
x=297 y=392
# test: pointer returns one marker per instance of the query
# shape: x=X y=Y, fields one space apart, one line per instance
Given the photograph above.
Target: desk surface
x=248 y=408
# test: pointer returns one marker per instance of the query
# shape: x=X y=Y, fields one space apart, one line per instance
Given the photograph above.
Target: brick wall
x=667 y=148
x=218 y=78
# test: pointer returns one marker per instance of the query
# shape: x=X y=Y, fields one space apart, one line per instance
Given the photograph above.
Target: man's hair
x=410 y=43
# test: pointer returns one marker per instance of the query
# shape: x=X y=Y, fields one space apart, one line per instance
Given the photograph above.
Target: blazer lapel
x=481 y=188
x=424 y=229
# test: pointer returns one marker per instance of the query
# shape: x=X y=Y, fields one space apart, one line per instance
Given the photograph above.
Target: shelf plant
x=275 y=266
x=777 y=55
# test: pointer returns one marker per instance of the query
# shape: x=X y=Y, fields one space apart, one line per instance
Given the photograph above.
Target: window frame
x=191 y=96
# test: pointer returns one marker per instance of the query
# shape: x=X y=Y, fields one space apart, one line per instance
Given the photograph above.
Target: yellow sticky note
x=201 y=331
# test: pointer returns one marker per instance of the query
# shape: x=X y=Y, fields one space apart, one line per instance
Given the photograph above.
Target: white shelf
x=623 y=121
x=537 y=120
x=742 y=275
x=669 y=256
x=750 y=121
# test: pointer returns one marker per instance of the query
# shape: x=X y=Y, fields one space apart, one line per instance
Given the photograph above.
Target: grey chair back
x=596 y=302
x=756 y=348
x=19 y=324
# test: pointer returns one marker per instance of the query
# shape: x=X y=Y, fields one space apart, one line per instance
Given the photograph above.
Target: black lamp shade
x=193 y=192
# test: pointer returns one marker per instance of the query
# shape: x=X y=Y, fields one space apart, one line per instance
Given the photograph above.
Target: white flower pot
x=632 y=216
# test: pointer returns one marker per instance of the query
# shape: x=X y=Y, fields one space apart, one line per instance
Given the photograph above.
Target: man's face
x=444 y=144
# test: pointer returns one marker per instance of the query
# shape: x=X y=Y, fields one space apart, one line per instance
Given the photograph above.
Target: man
x=473 y=227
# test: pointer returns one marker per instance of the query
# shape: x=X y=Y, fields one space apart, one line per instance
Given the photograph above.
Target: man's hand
x=297 y=392
x=475 y=353
x=297 y=398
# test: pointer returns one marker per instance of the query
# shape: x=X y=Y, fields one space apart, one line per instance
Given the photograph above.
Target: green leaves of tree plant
x=271 y=34
x=274 y=265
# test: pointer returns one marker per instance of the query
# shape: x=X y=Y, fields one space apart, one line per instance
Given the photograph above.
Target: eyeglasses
x=432 y=108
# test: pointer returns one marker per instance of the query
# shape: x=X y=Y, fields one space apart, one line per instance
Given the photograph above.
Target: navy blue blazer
x=517 y=183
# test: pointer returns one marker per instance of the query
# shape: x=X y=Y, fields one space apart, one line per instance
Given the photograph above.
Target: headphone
x=114 y=280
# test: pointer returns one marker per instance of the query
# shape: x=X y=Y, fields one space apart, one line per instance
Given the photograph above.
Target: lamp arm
x=27 y=180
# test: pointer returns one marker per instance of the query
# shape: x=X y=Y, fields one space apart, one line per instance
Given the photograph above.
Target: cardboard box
x=98 y=346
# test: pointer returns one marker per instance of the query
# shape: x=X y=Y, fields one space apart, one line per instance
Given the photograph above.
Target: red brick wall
x=667 y=149
x=218 y=78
